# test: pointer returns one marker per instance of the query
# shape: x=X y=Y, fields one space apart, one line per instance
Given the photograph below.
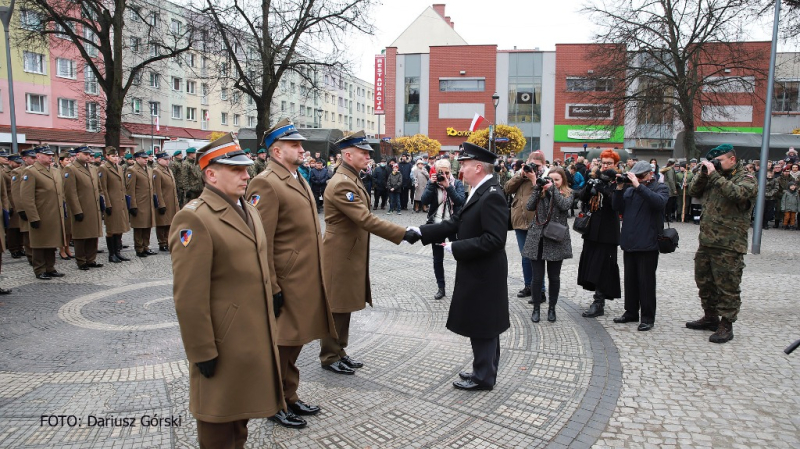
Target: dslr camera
x=623 y=179
x=440 y=176
x=715 y=163
x=541 y=182
x=529 y=168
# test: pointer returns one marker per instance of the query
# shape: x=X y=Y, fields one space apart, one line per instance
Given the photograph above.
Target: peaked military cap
x=15 y=158
x=111 y=151
x=283 y=130
x=357 y=139
x=472 y=151
x=140 y=154
x=44 y=149
x=225 y=150
x=64 y=155
x=162 y=155
x=3 y=153
x=719 y=151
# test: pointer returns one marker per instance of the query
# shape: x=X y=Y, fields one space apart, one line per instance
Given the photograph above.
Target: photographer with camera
x=550 y=203
x=641 y=201
x=444 y=196
x=598 y=269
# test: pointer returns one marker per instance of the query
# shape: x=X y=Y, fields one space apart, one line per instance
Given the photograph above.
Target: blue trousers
x=526 y=263
x=394 y=201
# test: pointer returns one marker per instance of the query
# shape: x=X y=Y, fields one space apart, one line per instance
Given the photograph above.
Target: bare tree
x=108 y=34
x=667 y=59
x=306 y=38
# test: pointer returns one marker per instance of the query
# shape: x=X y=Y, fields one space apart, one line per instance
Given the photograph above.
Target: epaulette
x=194 y=204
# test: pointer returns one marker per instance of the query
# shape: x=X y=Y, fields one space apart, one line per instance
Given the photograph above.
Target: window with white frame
x=134 y=13
x=92 y=117
x=251 y=121
x=224 y=118
x=175 y=26
x=67 y=108
x=190 y=59
x=155 y=80
x=33 y=62
x=91 y=49
x=191 y=87
x=89 y=81
x=176 y=83
x=61 y=32
x=154 y=17
x=136 y=105
x=135 y=43
x=235 y=119
x=223 y=93
x=36 y=104
x=177 y=111
x=283 y=106
x=155 y=108
x=291 y=108
x=137 y=79
x=235 y=96
x=65 y=68
x=191 y=114
x=30 y=20
x=153 y=49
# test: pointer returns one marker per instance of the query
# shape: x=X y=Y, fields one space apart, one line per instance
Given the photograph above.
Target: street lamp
x=319 y=118
x=495 y=101
x=5 y=16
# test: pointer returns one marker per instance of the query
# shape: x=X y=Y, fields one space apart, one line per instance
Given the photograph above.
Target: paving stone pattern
x=103 y=346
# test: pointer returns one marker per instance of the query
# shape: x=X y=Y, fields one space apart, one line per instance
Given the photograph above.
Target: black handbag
x=581 y=223
x=668 y=240
x=552 y=230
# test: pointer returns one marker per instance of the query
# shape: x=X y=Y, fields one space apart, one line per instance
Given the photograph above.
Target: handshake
x=413 y=234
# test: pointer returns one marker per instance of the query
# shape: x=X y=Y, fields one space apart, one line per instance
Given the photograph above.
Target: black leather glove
x=11 y=212
x=207 y=368
x=411 y=237
x=162 y=210
x=78 y=217
x=23 y=215
x=277 y=303
x=108 y=211
x=35 y=224
x=133 y=211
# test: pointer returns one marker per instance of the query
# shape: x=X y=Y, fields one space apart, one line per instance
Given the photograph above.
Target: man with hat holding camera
x=112 y=187
x=139 y=186
x=729 y=194
x=82 y=191
x=166 y=198
x=479 y=310
x=286 y=204
x=345 y=248
x=42 y=200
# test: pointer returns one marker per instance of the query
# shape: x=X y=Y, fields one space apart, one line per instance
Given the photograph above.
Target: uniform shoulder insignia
x=99 y=174
x=130 y=174
x=14 y=178
x=154 y=176
x=493 y=189
x=255 y=199
x=350 y=196
x=193 y=204
x=66 y=175
x=186 y=236
x=25 y=178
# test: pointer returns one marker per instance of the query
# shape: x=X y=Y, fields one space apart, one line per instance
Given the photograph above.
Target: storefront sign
x=452 y=132
x=588 y=134
x=589 y=111
x=380 y=73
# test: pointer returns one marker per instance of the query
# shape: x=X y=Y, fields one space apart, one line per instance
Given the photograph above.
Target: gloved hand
x=207 y=368
x=35 y=224
x=162 y=210
x=11 y=212
x=78 y=217
x=133 y=211
x=23 y=215
x=415 y=229
x=277 y=303
x=108 y=211
x=411 y=237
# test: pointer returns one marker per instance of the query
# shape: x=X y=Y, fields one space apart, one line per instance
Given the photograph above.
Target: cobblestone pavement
x=100 y=347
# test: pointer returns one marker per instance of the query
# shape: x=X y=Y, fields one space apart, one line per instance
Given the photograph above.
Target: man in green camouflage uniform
x=176 y=166
x=729 y=195
x=261 y=161
x=683 y=179
x=191 y=179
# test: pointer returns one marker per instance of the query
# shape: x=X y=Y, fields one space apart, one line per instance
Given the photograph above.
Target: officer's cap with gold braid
x=84 y=149
x=225 y=151
x=719 y=151
x=283 y=130
x=357 y=139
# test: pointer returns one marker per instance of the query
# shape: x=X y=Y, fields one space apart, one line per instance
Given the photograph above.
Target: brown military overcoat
x=6 y=202
x=112 y=187
x=14 y=218
x=345 y=246
x=16 y=183
x=42 y=199
x=223 y=299
x=140 y=189
x=82 y=192
x=294 y=242
x=167 y=194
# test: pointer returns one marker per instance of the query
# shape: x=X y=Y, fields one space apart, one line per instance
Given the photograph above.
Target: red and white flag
x=476 y=122
x=206 y=117
x=158 y=128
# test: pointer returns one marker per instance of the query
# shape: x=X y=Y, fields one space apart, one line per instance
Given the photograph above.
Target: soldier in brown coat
x=13 y=236
x=345 y=248
x=223 y=299
x=28 y=158
x=82 y=191
x=6 y=203
x=112 y=188
x=166 y=194
x=64 y=159
x=42 y=199
x=288 y=211
x=140 y=191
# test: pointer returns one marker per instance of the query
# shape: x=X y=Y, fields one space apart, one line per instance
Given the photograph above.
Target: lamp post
x=5 y=16
x=319 y=118
x=495 y=101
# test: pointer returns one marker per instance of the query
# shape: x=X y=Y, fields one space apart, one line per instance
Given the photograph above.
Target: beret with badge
x=719 y=151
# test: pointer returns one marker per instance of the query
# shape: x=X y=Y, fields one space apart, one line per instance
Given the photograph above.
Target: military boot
x=724 y=332
x=596 y=309
x=709 y=322
x=112 y=252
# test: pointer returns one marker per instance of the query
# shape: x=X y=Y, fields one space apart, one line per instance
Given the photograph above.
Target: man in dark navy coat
x=479 y=309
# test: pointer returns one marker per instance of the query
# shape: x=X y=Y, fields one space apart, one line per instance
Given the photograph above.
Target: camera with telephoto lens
x=623 y=179
x=530 y=168
x=541 y=182
x=715 y=162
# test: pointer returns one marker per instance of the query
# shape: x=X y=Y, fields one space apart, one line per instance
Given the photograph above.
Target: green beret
x=191 y=150
x=177 y=152
x=128 y=156
x=149 y=152
x=98 y=154
x=262 y=150
x=719 y=151
x=247 y=151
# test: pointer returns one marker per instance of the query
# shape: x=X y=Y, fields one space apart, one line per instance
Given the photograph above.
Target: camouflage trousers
x=718 y=274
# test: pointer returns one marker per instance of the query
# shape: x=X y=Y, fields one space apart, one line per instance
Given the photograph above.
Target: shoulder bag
x=552 y=230
x=668 y=240
x=581 y=222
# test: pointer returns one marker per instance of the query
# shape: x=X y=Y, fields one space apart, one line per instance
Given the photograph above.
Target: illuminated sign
x=452 y=132
x=380 y=74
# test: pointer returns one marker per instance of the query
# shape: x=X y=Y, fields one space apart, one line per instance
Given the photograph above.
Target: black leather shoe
x=595 y=310
x=339 y=368
x=5 y=291
x=84 y=267
x=141 y=254
x=466 y=375
x=439 y=294
x=43 y=276
x=288 y=419
x=645 y=326
x=626 y=319
x=17 y=254
x=524 y=293
x=469 y=385
x=94 y=265
x=551 y=314
x=351 y=362
x=164 y=248
x=55 y=274
x=301 y=408
x=150 y=252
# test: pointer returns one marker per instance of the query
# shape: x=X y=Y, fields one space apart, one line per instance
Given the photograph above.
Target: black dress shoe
x=84 y=267
x=141 y=254
x=55 y=274
x=626 y=319
x=339 y=368
x=439 y=294
x=150 y=252
x=301 y=408
x=5 y=291
x=524 y=293
x=645 y=326
x=94 y=265
x=466 y=375
x=17 y=254
x=351 y=362
x=164 y=248
x=43 y=276
x=288 y=419
x=469 y=385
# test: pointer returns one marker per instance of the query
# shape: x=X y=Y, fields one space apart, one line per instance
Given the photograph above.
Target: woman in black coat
x=598 y=270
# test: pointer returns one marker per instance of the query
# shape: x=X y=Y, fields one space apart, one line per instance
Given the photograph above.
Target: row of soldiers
x=47 y=205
